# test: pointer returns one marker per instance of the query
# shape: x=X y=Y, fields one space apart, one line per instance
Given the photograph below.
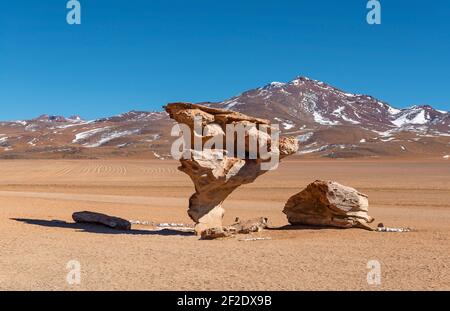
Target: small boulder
x=328 y=203
x=249 y=226
x=102 y=219
x=215 y=233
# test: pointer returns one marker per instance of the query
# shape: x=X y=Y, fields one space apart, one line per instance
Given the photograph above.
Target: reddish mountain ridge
x=327 y=121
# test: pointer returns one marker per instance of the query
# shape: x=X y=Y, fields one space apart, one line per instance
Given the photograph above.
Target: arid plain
x=38 y=237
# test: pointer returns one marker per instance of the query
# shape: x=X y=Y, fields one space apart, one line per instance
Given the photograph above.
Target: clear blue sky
x=141 y=54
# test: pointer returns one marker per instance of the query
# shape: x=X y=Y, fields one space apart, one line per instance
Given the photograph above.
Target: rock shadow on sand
x=302 y=227
x=91 y=228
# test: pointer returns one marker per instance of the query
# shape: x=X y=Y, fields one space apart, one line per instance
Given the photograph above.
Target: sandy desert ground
x=38 y=237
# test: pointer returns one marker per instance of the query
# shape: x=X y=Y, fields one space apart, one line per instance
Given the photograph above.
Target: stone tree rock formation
x=328 y=203
x=217 y=172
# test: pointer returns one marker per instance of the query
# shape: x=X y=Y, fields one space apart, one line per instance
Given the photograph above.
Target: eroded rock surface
x=217 y=172
x=328 y=203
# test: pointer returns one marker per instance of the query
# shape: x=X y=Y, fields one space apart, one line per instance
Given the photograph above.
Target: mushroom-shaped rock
x=217 y=170
x=328 y=203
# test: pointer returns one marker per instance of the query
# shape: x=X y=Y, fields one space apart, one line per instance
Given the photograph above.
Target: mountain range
x=327 y=121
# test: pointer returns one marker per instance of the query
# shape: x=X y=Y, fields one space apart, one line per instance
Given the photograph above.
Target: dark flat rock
x=102 y=219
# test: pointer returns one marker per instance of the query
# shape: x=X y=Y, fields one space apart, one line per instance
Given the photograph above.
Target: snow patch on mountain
x=287 y=125
x=158 y=156
x=393 y=111
x=31 y=127
x=345 y=118
x=153 y=137
x=229 y=104
x=110 y=136
x=416 y=116
x=322 y=120
x=339 y=113
x=62 y=127
x=32 y=142
x=305 y=137
x=275 y=84
x=313 y=150
x=85 y=135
